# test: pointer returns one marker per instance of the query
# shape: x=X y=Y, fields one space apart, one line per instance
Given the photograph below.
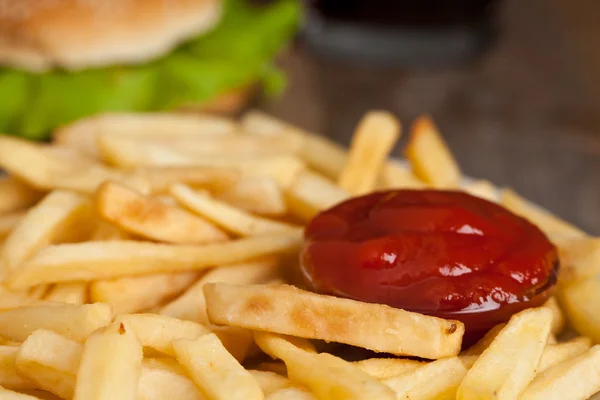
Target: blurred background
x=513 y=85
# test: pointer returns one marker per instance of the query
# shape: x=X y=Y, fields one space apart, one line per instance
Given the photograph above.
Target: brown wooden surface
x=525 y=115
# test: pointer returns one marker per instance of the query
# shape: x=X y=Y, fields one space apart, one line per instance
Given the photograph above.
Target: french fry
x=106 y=231
x=214 y=370
x=482 y=188
x=484 y=342
x=105 y=260
x=191 y=305
x=549 y=223
x=61 y=213
x=382 y=368
x=436 y=380
x=9 y=377
x=8 y=222
x=580 y=258
x=558 y=319
x=509 y=364
x=556 y=353
x=324 y=374
x=228 y=217
x=213 y=178
x=72 y=293
x=270 y=382
x=372 y=142
x=283 y=169
x=579 y=301
x=158 y=331
x=16 y=195
x=82 y=135
x=311 y=193
x=160 y=380
x=12 y=299
x=394 y=175
x=256 y=195
x=277 y=367
x=288 y=310
x=45 y=170
x=430 y=158
x=11 y=395
x=74 y=321
x=575 y=378
x=110 y=365
x=291 y=394
x=51 y=361
x=148 y=217
x=138 y=293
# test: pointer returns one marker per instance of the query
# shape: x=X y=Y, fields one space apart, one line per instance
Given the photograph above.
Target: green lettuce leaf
x=237 y=52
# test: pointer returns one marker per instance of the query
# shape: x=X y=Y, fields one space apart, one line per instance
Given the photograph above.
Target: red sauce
x=441 y=253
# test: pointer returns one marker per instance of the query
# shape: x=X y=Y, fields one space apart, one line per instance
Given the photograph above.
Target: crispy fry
x=430 y=157
x=74 y=321
x=16 y=195
x=139 y=293
x=311 y=193
x=61 y=213
x=110 y=365
x=160 y=380
x=104 y=260
x=394 y=175
x=291 y=311
x=72 y=293
x=382 y=368
x=324 y=374
x=509 y=364
x=9 y=377
x=549 y=223
x=256 y=195
x=213 y=178
x=228 y=217
x=575 y=378
x=214 y=370
x=148 y=217
x=191 y=305
x=372 y=142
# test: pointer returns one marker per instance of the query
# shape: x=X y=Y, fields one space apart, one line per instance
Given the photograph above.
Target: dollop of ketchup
x=441 y=253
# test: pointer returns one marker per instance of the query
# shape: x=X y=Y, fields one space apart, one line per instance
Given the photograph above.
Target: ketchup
x=441 y=253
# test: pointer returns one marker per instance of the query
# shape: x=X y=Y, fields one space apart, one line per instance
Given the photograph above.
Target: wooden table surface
x=525 y=114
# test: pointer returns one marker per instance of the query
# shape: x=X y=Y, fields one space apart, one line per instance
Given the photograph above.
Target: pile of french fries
x=151 y=257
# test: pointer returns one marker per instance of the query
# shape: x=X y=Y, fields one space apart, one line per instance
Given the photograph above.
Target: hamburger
x=61 y=60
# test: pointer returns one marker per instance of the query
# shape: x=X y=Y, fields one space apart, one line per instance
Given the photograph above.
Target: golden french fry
x=6 y=394
x=270 y=382
x=547 y=222
x=311 y=193
x=82 y=135
x=558 y=319
x=110 y=365
x=484 y=342
x=214 y=370
x=106 y=231
x=8 y=222
x=580 y=301
x=16 y=195
x=394 y=175
x=139 y=293
x=160 y=380
x=575 y=378
x=104 y=260
x=291 y=394
x=256 y=195
x=9 y=377
x=372 y=142
x=288 y=310
x=74 y=321
x=580 y=258
x=556 y=353
x=482 y=188
x=228 y=217
x=509 y=364
x=12 y=299
x=382 y=368
x=44 y=169
x=324 y=374
x=238 y=342
x=158 y=331
x=191 y=305
x=213 y=178
x=430 y=158
x=60 y=215
x=149 y=217
x=436 y=380
x=51 y=361
x=72 y=293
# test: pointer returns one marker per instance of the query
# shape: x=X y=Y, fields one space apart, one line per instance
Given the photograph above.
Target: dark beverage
x=410 y=32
